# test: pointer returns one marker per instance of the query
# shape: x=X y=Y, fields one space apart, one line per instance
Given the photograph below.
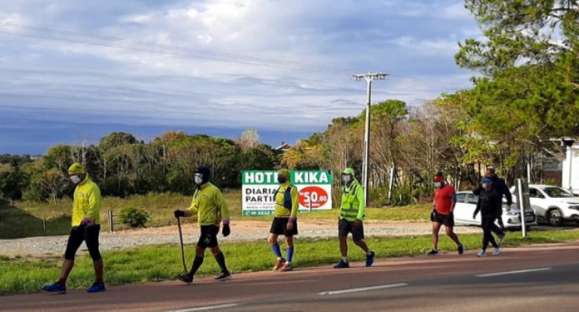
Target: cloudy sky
x=73 y=70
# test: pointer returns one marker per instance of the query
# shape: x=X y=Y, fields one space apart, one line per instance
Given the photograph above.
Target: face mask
x=486 y=186
x=75 y=179
x=438 y=184
x=346 y=179
x=198 y=179
x=281 y=179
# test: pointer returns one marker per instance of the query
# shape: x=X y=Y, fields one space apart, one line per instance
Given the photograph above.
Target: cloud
x=430 y=47
x=223 y=63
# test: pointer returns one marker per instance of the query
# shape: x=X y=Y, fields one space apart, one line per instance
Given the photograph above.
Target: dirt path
x=241 y=231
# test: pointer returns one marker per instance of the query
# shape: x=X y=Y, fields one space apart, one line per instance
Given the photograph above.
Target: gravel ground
x=241 y=231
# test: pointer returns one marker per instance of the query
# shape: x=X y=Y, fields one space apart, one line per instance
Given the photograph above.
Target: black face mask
x=281 y=180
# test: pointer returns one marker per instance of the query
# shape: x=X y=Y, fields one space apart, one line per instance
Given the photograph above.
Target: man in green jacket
x=284 y=220
x=85 y=227
x=211 y=209
x=352 y=214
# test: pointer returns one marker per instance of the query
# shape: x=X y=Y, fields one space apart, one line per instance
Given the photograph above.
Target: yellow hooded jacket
x=87 y=202
x=209 y=204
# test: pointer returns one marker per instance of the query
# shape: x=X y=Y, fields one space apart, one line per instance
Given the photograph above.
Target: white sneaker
x=496 y=251
x=481 y=253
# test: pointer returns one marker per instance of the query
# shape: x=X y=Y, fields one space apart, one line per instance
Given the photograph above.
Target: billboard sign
x=259 y=186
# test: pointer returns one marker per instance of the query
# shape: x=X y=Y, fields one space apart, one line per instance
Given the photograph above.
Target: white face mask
x=438 y=184
x=198 y=179
x=346 y=179
x=75 y=179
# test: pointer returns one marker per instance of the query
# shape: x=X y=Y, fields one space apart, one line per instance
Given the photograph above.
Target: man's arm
x=92 y=214
x=362 y=203
x=193 y=208
x=508 y=194
x=452 y=201
x=224 y=208
x=295 y=202
x=224 y=213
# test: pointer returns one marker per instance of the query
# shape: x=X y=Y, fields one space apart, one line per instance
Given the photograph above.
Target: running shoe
x=370 y=259
x=286 y=267
x=433 y=252
x=185 y=278
x=223 y=276
x=342 y=265
x=279 y=264
x=481 y=253
x=96 y=288
x=460 y=249
x=55 y=288
x=497 y=251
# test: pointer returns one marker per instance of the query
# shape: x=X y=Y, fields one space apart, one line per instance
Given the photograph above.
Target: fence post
x=522 y=204
x=44 y=225
x=110 y=215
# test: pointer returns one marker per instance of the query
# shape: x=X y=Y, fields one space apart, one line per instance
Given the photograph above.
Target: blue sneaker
x=342 y=265
x=370 y=259
x=55 y=288
x=96 y=287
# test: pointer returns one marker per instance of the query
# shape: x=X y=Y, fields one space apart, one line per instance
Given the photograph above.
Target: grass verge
x=157 y=263
x=26 y=219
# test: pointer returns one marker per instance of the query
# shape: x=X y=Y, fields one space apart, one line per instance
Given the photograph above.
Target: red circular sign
x=315 y=195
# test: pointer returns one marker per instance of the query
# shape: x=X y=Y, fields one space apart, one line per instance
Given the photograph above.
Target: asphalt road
x=525 y=279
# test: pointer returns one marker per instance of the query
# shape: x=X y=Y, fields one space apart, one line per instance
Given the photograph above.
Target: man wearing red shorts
x=442 y=213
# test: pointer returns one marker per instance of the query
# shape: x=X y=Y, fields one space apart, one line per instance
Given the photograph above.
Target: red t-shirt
x=443 y=199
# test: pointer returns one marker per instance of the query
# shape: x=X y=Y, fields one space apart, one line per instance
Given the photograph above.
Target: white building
x=571 y=168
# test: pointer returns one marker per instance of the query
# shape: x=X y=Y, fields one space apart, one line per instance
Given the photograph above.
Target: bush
x=134 y=217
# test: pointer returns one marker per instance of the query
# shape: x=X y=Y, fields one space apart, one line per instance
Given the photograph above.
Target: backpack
x=287 y=197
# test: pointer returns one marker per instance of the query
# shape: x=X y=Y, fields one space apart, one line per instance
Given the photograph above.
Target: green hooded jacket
x=353 y=206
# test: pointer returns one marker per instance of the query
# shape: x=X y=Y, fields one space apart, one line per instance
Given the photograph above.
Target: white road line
x=354 y=290
x=513 y=272
x=208 y=308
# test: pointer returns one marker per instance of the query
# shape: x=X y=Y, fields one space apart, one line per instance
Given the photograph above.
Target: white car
x=466 y=205
x=553 y=204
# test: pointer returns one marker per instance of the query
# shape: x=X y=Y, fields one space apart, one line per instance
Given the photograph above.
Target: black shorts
x=447 y=220
x=279 y=227
x=87 y=233
x=208 y=236
x=345 y=227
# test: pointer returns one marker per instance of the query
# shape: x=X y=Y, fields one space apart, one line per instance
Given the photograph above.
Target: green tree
x=520 y=32
x=116 y=139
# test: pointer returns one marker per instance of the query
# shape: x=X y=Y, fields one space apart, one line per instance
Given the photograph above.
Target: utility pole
x=369 y=77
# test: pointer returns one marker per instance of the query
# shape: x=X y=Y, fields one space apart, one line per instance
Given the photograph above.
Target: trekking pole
x=181 y=243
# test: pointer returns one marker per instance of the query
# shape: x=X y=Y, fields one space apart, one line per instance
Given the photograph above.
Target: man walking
x=211 y=209
x=442 y=213
x=352 y=214
x=85 y=227
x=489 y=201
x=284 y=222
x=500 y=185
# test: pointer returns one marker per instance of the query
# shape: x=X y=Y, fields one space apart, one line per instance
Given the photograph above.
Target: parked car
x=552 y=204
x=466 y=205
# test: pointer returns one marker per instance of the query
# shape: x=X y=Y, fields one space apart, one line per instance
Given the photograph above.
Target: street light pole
x=369 y=77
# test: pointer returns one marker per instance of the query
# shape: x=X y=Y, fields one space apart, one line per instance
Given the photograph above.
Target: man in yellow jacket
x=211 y=209
x=85 y=227
x=284 y=220
x=352 y=214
